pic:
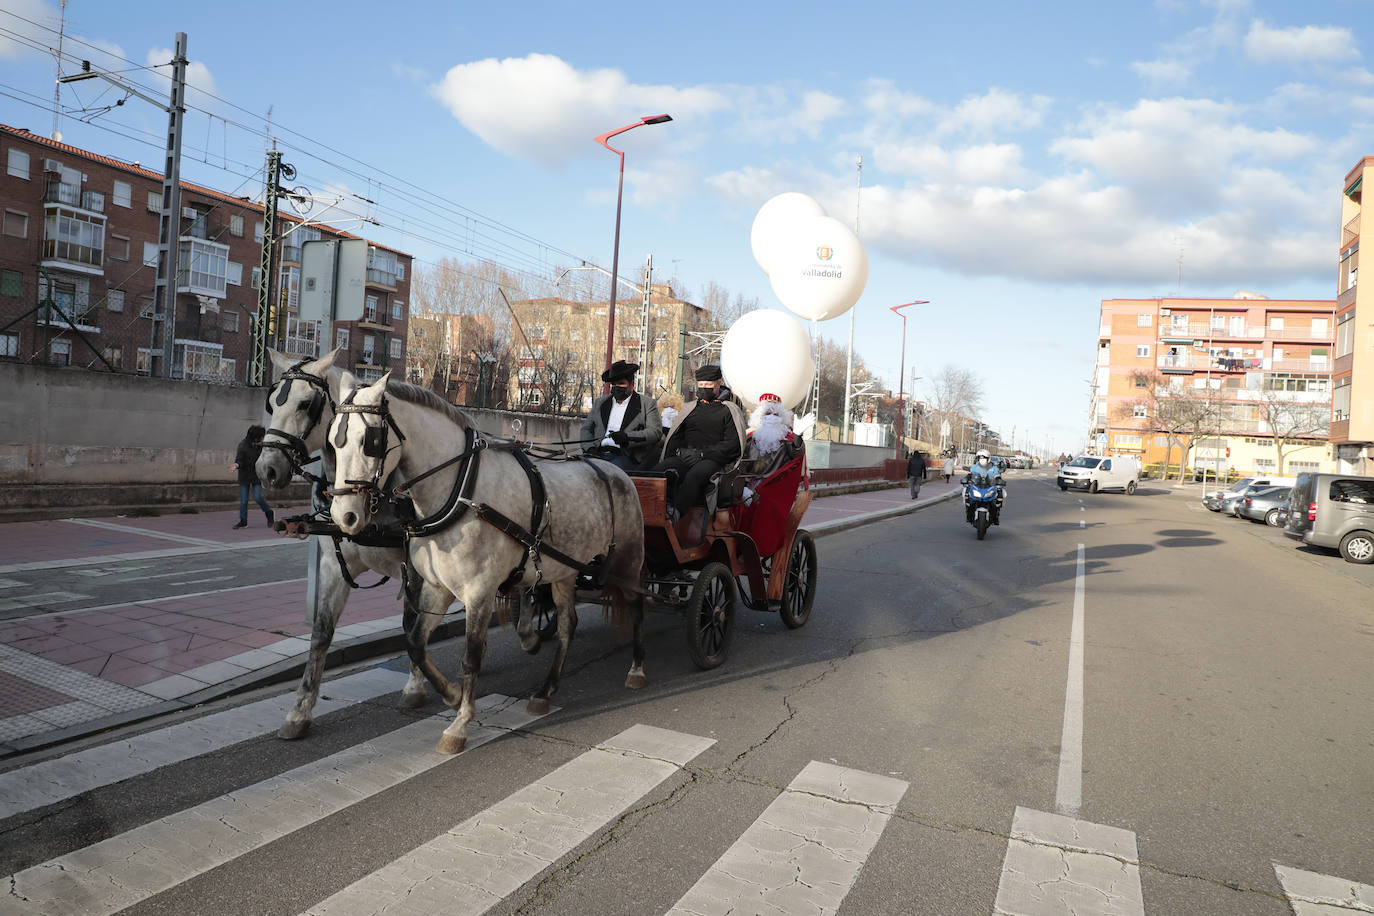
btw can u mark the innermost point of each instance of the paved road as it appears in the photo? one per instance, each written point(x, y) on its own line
point(1120, 704)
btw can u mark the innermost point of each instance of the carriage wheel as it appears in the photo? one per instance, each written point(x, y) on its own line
point(711, 615)
point(799, 588)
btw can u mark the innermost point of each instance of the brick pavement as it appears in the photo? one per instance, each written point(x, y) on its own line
point(70, 673)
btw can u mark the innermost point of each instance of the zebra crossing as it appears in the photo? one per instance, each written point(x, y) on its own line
point(803, 852)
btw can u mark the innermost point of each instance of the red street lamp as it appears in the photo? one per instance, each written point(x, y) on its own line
point(619, 194)
point(901, 377)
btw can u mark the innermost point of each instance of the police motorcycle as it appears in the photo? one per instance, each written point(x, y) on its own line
point(983, 496)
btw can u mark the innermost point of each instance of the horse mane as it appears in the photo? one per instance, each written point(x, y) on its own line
point(423, 397)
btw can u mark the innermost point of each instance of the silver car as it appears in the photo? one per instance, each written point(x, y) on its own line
point(1268, 505)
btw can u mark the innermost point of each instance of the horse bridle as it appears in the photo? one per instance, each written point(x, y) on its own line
point(374, 446)
point(294, 447)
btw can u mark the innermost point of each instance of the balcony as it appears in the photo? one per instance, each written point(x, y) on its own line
point(69, 254)
point(1184, 362)
point(1298, 365)
point(374, 358)
point(383, 278)
point(291, 254)
point(85, 318)
point(1350, 231)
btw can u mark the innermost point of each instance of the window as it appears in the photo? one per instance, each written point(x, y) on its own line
point(229, 320)
point(1142, 350)
point(1140, 412)
point(256, 279)
point(400, 269)
point(1107, 465)
point(1352, 491)
point(396, 308)
point(1142, 381)
point(16, 224)
point(395, 348)
point(18, 164)
point(114, 300)
point(370, 310)
point(236, 225)
point(1144, 319)
point(118, 247)
point(574, 335)
point(149, 254)
point(1275, 323)
point(1345, 334)
point(60, 353)
point(1298, 467)
point(202, 267)
point(114, 355)
point(1125, 442)
point(1340, 400)
point(11, 283)
point(257, 232)
point(341, 338)
point(155, 201)
point(9, 344)
point(144, 361)
point(1180, 321)
point(123, 195)
point(1161, 440)
point(69, 235)
point(233, 274)
point(1218, 322)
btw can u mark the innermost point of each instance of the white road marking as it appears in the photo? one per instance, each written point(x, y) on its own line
point(213, 591)
point(199, 581)
point(182, 572)
point(805, 851)
point(72, 774)
point(123, 870)
point(1311, 894)
point(1057, 865)
point(97, 572)
point(469, 869)
point(72, 562)
point(1082, 524)
point(28, 601)
point(143, 532)
point(1069, 793)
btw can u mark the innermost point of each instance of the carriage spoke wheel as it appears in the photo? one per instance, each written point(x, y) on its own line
point(799, 588)
point(711, 615)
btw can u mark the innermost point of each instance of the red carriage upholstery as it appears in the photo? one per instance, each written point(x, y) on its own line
point(765, 520)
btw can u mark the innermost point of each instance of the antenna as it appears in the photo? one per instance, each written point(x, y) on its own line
point(57, 57)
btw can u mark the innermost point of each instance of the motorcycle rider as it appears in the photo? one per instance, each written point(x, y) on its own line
point(985, 474)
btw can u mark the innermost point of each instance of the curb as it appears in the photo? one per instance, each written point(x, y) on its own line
point(858, 521)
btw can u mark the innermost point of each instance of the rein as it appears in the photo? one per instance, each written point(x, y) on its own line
point(293, 447)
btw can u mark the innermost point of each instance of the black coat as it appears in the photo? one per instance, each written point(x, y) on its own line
point(247, 458)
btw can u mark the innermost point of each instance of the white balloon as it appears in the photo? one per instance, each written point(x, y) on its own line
point(774, 222)
point(820, 270)
point(767, 352)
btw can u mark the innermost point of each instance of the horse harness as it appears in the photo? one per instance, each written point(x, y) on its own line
point(375, 446)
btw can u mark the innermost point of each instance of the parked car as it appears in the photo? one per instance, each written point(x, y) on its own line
point(1093, 473)
point(1334, 510)
point(1268, 505)
point(1214, 499)
point(1229, 501)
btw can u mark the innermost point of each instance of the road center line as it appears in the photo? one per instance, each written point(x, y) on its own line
point(1069, 794)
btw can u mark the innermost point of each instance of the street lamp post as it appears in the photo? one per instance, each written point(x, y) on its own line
point(619, 195)
point(901, 391)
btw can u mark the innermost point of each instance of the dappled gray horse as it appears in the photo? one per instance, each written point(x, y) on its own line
point(476, 496)
point(300, 405)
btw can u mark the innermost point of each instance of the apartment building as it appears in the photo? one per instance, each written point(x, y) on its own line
point(1260, 366)
point(1352, 402)
point(457, 357)
point(78, 260)
point(563, 349)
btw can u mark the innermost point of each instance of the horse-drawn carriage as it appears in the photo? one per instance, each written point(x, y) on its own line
point(754, 543)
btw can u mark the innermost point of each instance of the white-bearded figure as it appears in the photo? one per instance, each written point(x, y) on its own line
point(772, 443)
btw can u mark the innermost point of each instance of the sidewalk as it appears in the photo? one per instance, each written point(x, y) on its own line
point(68, 674)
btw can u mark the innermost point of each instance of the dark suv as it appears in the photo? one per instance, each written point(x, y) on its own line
point(1334, 510)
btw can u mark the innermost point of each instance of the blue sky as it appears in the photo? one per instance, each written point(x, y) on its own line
point(1020, 164)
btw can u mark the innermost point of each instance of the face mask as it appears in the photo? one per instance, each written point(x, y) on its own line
point(706, 394)
point(983, 462)
point(620, 392)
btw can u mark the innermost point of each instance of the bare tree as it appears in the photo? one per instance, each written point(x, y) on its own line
point(1185, 415)
point(716, 300)
point(1292, 423)
point(956, 395)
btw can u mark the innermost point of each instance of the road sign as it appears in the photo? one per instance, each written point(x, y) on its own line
point(332, 276)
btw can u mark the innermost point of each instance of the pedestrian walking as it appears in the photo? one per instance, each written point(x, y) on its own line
point(948, 468)
point(915, 472)
point(245, 463)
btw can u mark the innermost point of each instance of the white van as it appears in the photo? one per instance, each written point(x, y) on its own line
point(1094, 472)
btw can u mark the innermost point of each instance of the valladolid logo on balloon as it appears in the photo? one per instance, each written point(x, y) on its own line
point(816, 264)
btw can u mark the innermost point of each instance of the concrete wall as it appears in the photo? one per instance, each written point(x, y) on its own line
point(821, 454)
point(73, 427)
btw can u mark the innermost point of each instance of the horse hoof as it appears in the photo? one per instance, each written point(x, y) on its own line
point(450, 744)
point(636, 681)
point(290, 731)
point(537, 706)
point(412, 700)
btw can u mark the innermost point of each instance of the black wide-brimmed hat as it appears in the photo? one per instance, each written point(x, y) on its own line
point(620, 369)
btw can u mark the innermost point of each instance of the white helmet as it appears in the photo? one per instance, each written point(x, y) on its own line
point(983, 453)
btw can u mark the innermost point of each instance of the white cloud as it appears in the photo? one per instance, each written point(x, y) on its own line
point(883, 99)
point(988, 163)
point(541, 108)
point(1308, 44)
point(21, 43)
point(816, 109)
point(197, 74)
point(1162, 73)
point(994, 112)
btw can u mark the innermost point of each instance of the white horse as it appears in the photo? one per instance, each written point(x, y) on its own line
point(482, 496)
point(300, 406)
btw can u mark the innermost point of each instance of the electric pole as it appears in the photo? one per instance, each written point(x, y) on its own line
point(265, 325)
point(849, 360)
point(169, 225)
